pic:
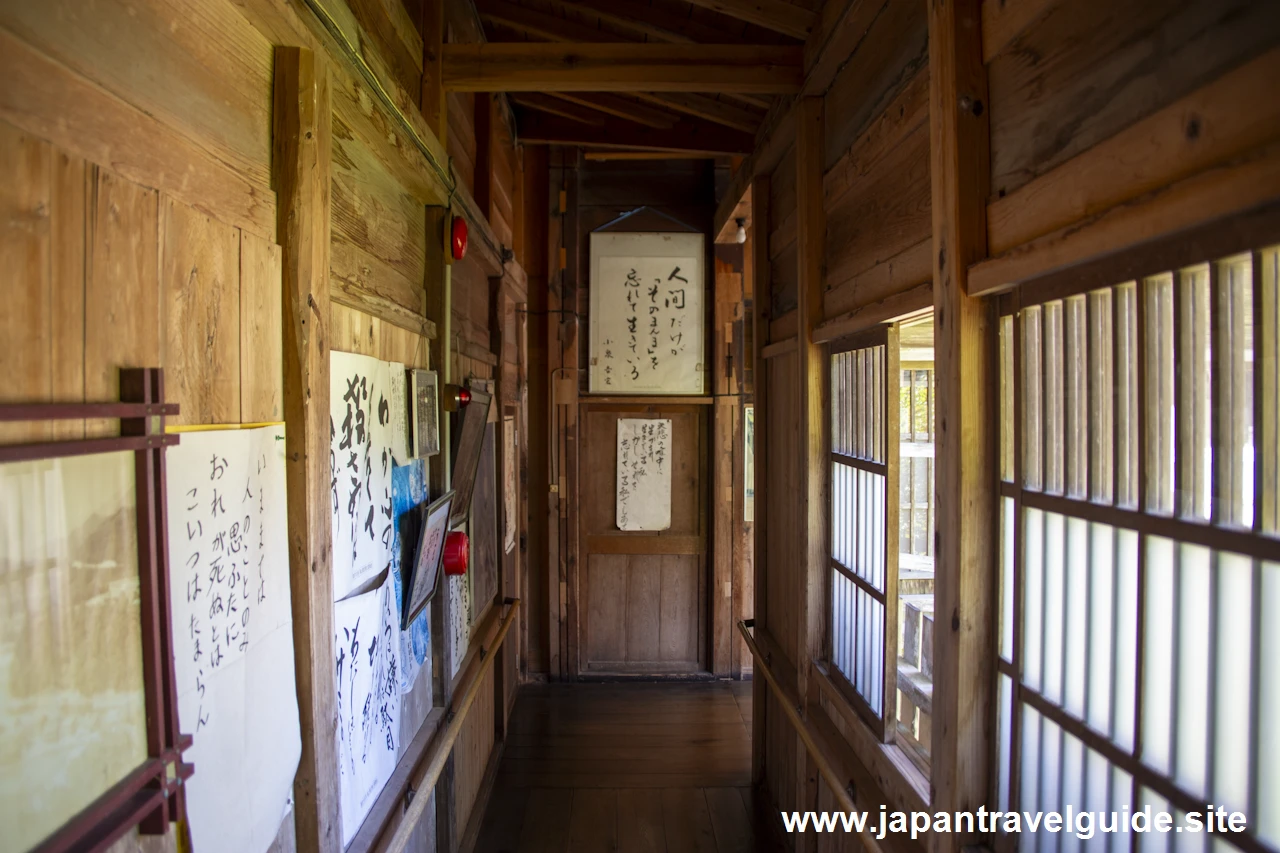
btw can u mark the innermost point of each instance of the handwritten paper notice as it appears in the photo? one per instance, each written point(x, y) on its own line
point(398, 398)
point(361, 456)
point(233, 644)
point(459, 621)
point(644, 474)
point(646, 314)
point(367, 648)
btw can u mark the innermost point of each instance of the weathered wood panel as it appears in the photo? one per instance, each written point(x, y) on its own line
point(882, 216)
point(42, 233)
point(891, 54)
point(261, 330)
point(200, 68)
point(45, 98)
point(122, 286)
point(1087, 69)
point(200, 293)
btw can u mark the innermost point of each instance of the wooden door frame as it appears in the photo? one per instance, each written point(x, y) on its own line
point(574, 614)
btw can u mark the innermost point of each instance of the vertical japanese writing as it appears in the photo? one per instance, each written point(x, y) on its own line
point(644, 474)
point(639, 347)
point(223, 573)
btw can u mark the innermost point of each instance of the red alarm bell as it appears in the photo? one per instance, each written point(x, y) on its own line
point(456, 551)
point(458, 238)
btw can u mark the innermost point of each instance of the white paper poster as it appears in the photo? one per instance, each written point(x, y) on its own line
point(367, 648)
point(232, 635)
point(361, 456)
point(398, 397)
point(644, 474)
point(459, 621)
point(646, 314)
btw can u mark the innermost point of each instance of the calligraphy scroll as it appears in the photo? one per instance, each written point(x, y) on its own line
point(361, 457)
point(644, 474)
point(232, 635)
point(647, 314)
point(367, 650)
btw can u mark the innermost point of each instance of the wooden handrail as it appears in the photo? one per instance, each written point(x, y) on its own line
point(442, 745)
point(839, 788)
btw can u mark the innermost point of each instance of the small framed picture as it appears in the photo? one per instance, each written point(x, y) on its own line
point(424, 572)
point(426, 413)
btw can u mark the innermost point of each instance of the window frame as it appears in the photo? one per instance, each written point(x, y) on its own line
point(884, 335)
point(1145, 522)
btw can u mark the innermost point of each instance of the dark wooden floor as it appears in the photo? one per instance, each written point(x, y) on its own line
point(627, 767)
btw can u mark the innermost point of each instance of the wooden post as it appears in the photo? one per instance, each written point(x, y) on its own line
point(760, 296)
point(966, 449)
point(301, 148)
point(811, 232)
point(434, 104)
point(811, 227)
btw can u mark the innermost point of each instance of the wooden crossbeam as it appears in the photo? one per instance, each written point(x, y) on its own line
point(687, 135)
point(649, 22)
point(558, 107)
point(707, 107)
point(777, 15)
point(539, 67)
point(540, 24)
point(621, 108)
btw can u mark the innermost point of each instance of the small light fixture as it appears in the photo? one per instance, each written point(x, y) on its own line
point(742, 229)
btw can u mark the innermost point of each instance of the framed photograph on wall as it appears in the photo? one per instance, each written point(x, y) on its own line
point(424, 572)
point(426, 413)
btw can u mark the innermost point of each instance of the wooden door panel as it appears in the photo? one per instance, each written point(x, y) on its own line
point(643, 594)
point(600, 471)
point(643, 613)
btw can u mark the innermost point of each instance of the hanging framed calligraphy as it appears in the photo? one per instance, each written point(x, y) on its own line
point(647, 322)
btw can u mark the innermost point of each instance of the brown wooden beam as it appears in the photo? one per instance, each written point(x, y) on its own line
point(708, 108)
point(649, 22)
point(777, 15)
point(301, 159)
point(963, 660)
point(622, 108)
point(539, 67)
point(558, 107)
point(542, 25)
point(687, 135)
point(433, 101)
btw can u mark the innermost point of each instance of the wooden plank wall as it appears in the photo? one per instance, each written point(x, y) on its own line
point(1108, 127)
point(139, 218)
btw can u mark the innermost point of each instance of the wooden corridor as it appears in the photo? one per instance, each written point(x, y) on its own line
point(627, 767)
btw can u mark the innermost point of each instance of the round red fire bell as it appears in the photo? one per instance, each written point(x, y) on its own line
point(456, 549)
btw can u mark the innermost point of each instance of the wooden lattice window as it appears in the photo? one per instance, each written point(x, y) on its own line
point(863, 595)
point(1140, 569)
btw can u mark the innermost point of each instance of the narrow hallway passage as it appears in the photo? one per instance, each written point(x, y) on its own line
point(627, 767)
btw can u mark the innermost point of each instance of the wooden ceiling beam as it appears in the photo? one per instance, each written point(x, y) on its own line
point(540, 24)
point(557, 107)
point(542, 67)
point(777, 15)
point(687, 135)
point(650, 22)
point(622, 108)
point(707, 107)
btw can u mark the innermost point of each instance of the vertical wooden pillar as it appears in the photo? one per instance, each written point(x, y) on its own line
point(811, 232)
point(966, 435)
point(301, 148)
point(433, 102)
point(760, 295)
